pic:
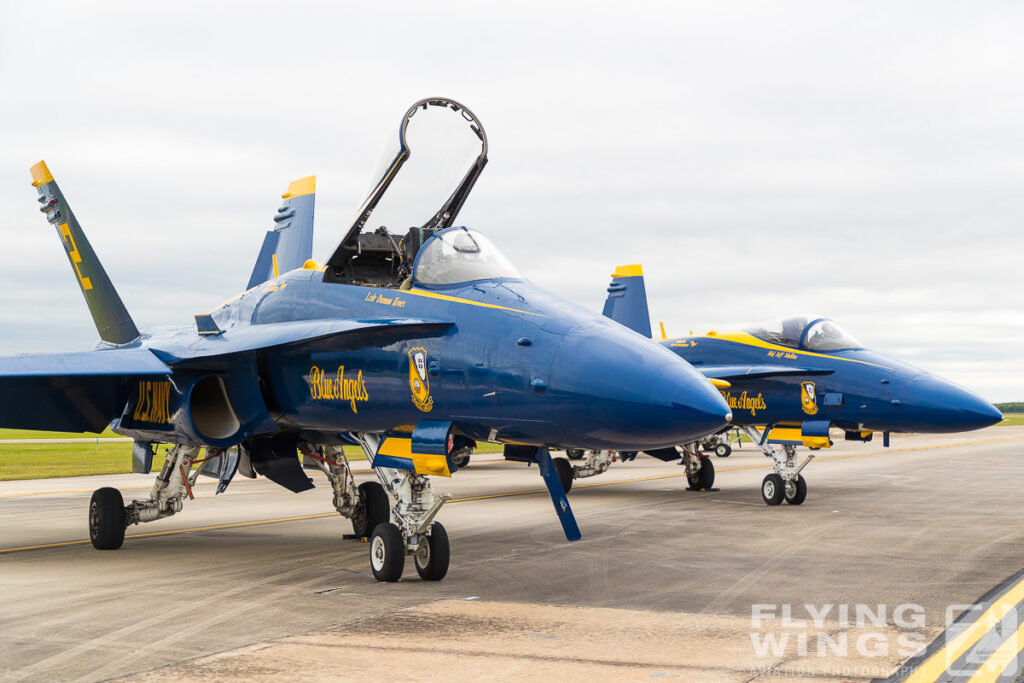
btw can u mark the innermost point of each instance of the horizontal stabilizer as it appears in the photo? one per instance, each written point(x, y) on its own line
point(71, 392)
point(736, 372)
point(308, 332)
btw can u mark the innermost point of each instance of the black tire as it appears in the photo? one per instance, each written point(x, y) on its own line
point(564, 471)
point(374, 508)
point(773, 489)
point(461, 458)
point(798, 489)
point(575, 453)
point(433, 554)
point(107, 519)
point(704, 478)
point(387, 553)
point(723, 450)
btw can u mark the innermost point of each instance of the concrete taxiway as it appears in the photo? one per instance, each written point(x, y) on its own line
point(258, 583)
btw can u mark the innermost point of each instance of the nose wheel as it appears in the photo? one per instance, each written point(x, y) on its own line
point(775, 489)
point(796, 490)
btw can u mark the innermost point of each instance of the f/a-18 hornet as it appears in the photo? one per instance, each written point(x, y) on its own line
point(788, 383)
point(405, 343)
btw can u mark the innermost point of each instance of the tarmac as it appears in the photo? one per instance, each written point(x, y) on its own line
point(858, 583)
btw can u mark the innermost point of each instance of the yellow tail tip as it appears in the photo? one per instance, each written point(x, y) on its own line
point(41, 174)
point(300, 187)
point(635, 270)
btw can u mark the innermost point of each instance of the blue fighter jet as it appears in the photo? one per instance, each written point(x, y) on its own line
point(406, 345)
point(789, 382)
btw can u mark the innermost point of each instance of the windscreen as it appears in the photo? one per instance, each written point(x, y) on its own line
point(825, 335)
point(460, 255)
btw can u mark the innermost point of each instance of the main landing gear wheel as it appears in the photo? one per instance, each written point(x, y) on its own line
point(461, 458)
point(575, 453)
point(107, 519)
point(387, 553)
point(433, 554)
point(796, 491)
point(373, 509)
point(773, 489)
point(564, 471)
point(704, 478)
point(723, 450)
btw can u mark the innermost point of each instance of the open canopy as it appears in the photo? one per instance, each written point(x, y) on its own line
point(424, 178)
point(808, 332)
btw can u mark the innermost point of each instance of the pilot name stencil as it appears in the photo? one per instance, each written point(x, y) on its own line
point(386, 301)
point(744, 402)
point(338, 387)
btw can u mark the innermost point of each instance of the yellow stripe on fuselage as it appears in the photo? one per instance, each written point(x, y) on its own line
point(747, 339)
point(455, 299)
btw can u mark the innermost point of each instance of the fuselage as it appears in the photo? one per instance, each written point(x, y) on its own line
point(513, 363)
point(853, 389)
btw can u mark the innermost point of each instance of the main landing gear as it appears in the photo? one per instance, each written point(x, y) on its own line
point(785, 483)
point(365, 505)
point(700, 471)
point(414, 531)
point(109, 517)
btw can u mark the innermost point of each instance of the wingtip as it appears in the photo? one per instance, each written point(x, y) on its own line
point(300, 187)
point(40, 174)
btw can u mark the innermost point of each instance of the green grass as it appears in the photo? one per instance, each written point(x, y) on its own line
point(50, 460)
point(43, 460)
point(30, 434)
point(1010, 419)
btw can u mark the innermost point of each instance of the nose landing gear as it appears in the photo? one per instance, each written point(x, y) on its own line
point(785, 483)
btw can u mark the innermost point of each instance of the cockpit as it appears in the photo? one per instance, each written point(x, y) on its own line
point(459, 255)
point(807, 332)
point(427, 172)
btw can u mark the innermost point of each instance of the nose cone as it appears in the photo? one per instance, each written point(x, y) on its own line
point(624, 392)
point(932, 404)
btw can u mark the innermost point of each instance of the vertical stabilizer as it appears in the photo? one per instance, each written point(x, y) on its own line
point(627, 299)
point(290, 244)
point(108, 312)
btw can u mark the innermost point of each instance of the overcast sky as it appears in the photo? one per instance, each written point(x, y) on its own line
point(862, 160)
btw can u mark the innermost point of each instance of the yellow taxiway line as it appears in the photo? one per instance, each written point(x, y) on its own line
point(933, 667)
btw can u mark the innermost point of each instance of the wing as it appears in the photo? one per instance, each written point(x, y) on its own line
point(735, 372)
point(71, 392)
point(305, 333)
